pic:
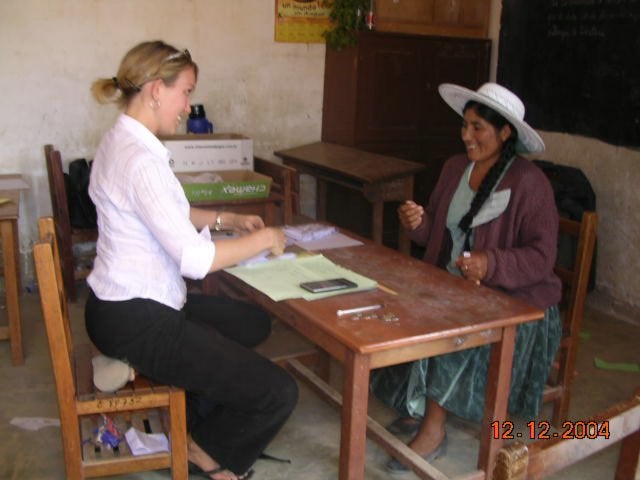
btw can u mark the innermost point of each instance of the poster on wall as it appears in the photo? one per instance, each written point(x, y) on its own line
point(301, 21)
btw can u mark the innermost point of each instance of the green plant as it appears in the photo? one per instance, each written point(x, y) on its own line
point(347, 18)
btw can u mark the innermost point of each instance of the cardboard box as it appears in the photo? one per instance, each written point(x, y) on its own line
point(209, 152)
point(235, 185)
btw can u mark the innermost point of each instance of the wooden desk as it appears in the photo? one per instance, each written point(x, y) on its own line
point(378, 177)
point(10, 256)
point(437, 313)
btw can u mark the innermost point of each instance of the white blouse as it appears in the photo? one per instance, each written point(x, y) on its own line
point(146, 242)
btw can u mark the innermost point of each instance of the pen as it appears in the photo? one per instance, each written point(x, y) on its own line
point(349, 311)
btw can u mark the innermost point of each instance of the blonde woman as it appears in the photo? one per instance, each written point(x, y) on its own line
point(138, 309)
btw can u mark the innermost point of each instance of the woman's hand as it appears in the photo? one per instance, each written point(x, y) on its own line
point(279, 241)
point(233, 250)
point(410, 214)
point(241, 223)
point(473, 265)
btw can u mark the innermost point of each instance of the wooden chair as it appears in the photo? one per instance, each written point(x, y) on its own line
point(542, 458)
point(286, 182)
point(67, 235)
point(575, 280)
point(142, 404)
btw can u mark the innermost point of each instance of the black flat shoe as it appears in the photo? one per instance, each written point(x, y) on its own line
point(196, 470)
point(405, 426)
point(394, 467)
point(248, 474)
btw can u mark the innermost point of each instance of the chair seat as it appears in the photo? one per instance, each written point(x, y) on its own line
point(146, 396)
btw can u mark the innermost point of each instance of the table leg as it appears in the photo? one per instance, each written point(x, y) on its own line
point(321, 199)
point(8, 229)
point(377, 221)
point(354, 416)
point(497, 398)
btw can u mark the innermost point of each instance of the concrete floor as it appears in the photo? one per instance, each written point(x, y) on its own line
point(311, 437)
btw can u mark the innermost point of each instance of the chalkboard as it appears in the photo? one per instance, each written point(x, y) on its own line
point(575, 64)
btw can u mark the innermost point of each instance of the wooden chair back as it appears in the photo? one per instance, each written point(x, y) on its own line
point(575, 280)
point(142, 404)
point(545, 457)
point(67, 235)
point(286, 182)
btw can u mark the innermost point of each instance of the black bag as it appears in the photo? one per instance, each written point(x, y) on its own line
point(571, 187)
point(82, 211)
point(573, 195)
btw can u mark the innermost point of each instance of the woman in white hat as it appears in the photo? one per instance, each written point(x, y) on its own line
point(491, 219)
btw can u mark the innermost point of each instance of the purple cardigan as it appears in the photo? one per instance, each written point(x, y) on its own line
point(521, 243)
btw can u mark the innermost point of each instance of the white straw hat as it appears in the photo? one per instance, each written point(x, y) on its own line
point(504, 102)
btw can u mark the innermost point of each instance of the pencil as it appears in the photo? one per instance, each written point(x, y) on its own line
point(387, 289)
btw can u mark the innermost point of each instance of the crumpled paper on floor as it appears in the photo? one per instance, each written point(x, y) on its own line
point(34, 423)
point(142, 443)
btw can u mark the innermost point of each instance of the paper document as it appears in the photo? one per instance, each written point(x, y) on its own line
point(266, 256)
point(281, 280)
point(337, 240)
point(141, 443)
point(308, 231)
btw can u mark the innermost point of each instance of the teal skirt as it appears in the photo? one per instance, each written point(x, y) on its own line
point(458, 381)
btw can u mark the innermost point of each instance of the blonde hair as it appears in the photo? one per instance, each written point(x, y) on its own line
point(145, 62)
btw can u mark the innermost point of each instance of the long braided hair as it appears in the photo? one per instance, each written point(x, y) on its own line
point(492, 176)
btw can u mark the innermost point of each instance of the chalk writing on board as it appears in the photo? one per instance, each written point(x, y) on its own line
point(574, 63)
point(566, 18)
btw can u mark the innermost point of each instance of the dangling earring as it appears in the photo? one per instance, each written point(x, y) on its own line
point(154, 104)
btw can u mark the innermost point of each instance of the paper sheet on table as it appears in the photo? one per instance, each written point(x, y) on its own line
point(266, 256)
point(4, 200)
point(308, 231)
point(280, 280)
point(336, 240)
point(142, 443)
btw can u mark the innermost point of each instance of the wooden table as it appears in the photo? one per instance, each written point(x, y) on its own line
point(379, 178)
point(10, 254)
point(436, 313)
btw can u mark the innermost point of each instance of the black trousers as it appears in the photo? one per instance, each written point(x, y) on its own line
point(237, 400)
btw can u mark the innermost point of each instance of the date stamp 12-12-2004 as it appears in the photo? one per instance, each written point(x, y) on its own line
point(540, 430)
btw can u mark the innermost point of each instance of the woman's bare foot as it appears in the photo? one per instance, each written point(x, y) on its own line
point(199, 457)
point(432, 431)
point(425, 444)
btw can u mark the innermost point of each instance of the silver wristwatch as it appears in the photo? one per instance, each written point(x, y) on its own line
point(217, 226)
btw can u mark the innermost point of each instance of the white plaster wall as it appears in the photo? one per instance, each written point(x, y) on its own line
point(614, 173)
point(51, 51)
